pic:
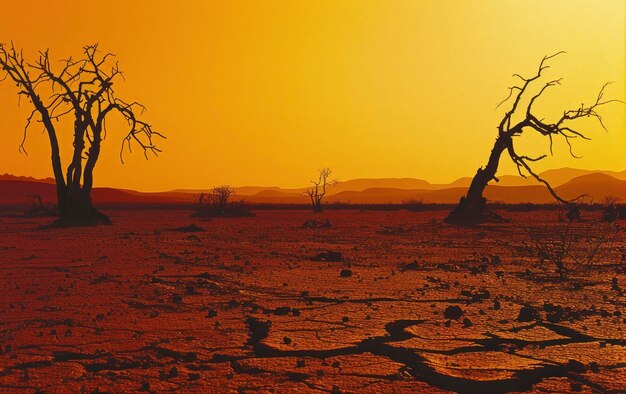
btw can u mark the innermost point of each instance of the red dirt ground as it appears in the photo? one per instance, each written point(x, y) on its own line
point(242, 307)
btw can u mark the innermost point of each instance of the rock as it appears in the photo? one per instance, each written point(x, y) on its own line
point(478, 295)
point(329, 256)
point(317, 223)
point(453, 312)
point(345, 273)
point(192, 228)
point(176, 299)
point(576, 387)
point(410, 267)
point(576, 366)
point(282, 311)
point(528, 314)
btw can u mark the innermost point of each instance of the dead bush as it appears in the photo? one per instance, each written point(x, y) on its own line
point(217, 203)
point(571, 246)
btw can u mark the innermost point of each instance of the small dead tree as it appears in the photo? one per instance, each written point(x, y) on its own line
point(573, 246)
point(81, 90)
point(317, 192)
point(39, 208)
point(471, 207)
point(220, 196)
point(610, 210)
point(217, 203)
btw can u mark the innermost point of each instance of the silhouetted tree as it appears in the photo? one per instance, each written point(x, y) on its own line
point(39, 208)
point(81, 89)
point(221, 195)
point(471, 207)
point(217, 203)
point(317, 192)
point(610, 210)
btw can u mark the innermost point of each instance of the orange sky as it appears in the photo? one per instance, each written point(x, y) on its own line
point(267, 92)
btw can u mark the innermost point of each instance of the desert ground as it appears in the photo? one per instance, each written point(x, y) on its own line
point(258, 304)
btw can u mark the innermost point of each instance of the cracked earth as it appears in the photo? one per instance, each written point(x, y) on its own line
point(379, 302)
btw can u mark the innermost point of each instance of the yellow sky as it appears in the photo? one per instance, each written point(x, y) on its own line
point(267, 92)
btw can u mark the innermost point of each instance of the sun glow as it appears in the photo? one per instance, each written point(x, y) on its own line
point(268, 92)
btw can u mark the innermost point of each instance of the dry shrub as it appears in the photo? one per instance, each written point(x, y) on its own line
point(573, 246)
point(217, 203)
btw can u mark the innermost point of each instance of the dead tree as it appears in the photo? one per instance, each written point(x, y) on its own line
point(39, 208)
point(471, 207)
point(217, 203)
point(220, 196)
point(317, 192)
point(81, 90)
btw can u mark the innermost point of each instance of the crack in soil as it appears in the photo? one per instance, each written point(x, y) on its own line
point(418, 366)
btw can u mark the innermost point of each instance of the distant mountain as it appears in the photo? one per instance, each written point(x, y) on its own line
point(9, 177)
point(18, 192)
point(508, 194)
point(556, 177)
point(560, 176)
point(357, 185)
point(569, 183)
point(596, 186)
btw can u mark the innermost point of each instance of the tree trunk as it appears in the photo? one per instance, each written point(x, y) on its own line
point(78, 210)
point(55, 155)
point(471, 207)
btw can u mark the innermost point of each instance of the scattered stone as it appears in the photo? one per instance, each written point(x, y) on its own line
point(192, 228)
point(317, 223)
point(576, 387)
point(476, 296)
point(176, 299)
point(527, 314)
point(576, 366)
point(395, 230)
point(345, 273)
point(100, 279)
point(282, 311)
point(413, 266)
point(453, 312)
point(329, 256)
